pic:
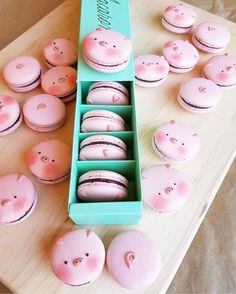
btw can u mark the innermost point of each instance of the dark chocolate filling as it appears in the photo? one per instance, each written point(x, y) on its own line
point(66, 96)
point(78, 285)
point(225, 86)
point(109, 87)
point(17, 120)
point(146, 81)
point(180, 67)
point(212, 47)
point(73, 65)
point(195, 106)
point(107, 65)
point(53, 180)
point(96, 116)
point(101, 180)
point(32, 82)
point(101, 143)
point(22, 215)
point(175, 25)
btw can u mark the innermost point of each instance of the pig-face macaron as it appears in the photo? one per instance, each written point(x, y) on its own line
point(78, 257)
point(181, 55)
point(179, 18)
point(175, 142)
point(60, 81)
point(18, 198)
point(150, 70)
point(50, 161)
point(106, 50)
point(165, 189)
point(60, 51)
point(221, 69)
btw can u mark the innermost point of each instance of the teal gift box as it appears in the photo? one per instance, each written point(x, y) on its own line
point(114, 15)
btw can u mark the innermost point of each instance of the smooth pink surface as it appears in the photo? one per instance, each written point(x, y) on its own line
point(44, 112)
point(175, 141)
point(102, 147)
point(10, 115)
point(78, 257)
point(21, 72)
point(60, 51)
point(133, 260)
point(181, 55)
point(150, 70)
point(102, 185)
point(179, 18)
point(108, 93)
point(18, 198)
point(164, 188)
point(106, 50)
point(211, 37)
point(221, 69)
point(60, 81)
point(102, 121)
point(50, 161)
point(199, 95)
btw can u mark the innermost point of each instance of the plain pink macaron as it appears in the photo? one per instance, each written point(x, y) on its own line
point(108, 93)
point(150, 70)
point(60, 51)
point(221, 69)
point(44, 113)
point(179, 18)
point(199, 95)
point(211, 37)
point(102, 185)
point(10, 115)
point(102, 147)
point(106, 50)
point(175, 142)
point(22, 73)
point(18, 198)
point(49, 161)
point(165, 189)
point(60, 81)
point(77, 257)
point(102, 121)
point(181, 56)
point(133, 260)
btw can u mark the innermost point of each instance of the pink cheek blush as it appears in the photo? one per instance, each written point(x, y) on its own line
point(51, 170)
point(32, 158)
point(92, 263)
point(63, 273)
point(160, 137)
point(54, 90)
point(182, 188)
point(140, 68)
point(222, 77)
point(179, 18)
point(168, 45)
point(176, 57)
point(182, 150)
point(20, 204)
point(160, 69)
point(57, 57)
point(4, 117)
point(112, 52)
point(168, 9)
point(159, 203)
point(8, 100)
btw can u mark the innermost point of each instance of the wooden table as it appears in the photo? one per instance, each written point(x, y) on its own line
point(25, 248)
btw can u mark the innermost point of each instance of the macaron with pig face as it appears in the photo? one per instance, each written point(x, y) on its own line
point(165, 189)
point(150, 70)
point(18, 198)
point(221, 69)
point(179, 18)
point(78, 257)
point(181, 56)
point(175, 142)
point(106, 50)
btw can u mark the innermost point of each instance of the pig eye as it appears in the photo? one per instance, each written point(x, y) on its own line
point(87, 254)
point(15, 196)
point(222, 70)
point(157, 63)
point(53, 83)
point(65, 262)
point(39, 152)
point(54, 43)
point(182, 144)
point(95, 39)
point(143, 62)
point(167, 134)
point(53, 160)
point(182, 13)
point(175, 184)
point(181, 53)
point(61, 52)
point(66, 76)
point(159, 193)
point(114, 46)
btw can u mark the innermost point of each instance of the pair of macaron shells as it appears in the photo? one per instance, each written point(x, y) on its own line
point(133, 259)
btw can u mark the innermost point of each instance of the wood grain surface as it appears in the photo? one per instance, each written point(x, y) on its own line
point(24, 258)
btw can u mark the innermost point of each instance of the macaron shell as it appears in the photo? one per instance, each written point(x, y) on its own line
point(164, 188)
point(50, 161)
point(133, 260)
point(174, 141)
point(78, 257)
point(18, 198)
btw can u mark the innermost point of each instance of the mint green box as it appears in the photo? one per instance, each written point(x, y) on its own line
point(115, 15)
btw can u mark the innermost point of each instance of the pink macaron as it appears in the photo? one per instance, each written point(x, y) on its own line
point(10, 115)
point(44, 113)
point(102, 147)
point(102, 121)
point(60, 51)
point(210, 37)
point(108, 93)
point(49, 161)
point(106, 50)
point(60, 81)
point(221, 69)
point(179, 18)
point(199, 95)
point(77, 258)
point(133, 260)
point(18, 198)
point(150, 70)
point(181, 56)
point(175, 142)
point(165, 189)
point(102, 185)
point(22, 73)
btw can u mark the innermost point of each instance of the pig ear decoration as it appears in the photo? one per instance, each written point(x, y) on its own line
point(209, 64)
point(20, 177)
point(226, 54)
point(89, 233)
point(173, 122)
point(59, 242)
point(99, 29)
point(168, 166)
point(186, 41)
point(195, 135)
